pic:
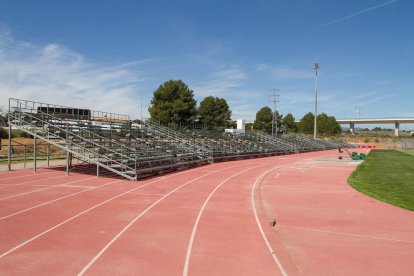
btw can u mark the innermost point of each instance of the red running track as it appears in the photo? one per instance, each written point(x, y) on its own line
point(211, 220)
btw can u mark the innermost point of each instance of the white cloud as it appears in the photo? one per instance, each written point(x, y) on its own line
point(289, 73)
point(376, 99)
point(367, 10)
point(262, 67)
point(229, 82)
point(284, 72)
point(53, 74)
point(223, 83)
point(245, 112)
point(292, 98)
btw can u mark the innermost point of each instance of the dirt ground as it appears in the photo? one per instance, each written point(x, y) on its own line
point(19, 147)
point(30, 164)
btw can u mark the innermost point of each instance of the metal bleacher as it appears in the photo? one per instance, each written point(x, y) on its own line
point(304, 144)
point(138, 148)
point(113, 142)
point(228, 146)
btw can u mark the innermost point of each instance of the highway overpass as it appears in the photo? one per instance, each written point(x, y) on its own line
point(395, 121)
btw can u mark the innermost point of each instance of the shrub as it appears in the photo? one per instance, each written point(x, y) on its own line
point(4, 133)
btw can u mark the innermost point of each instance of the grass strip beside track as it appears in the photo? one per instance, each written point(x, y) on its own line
point(387, 175)
point(411, 152)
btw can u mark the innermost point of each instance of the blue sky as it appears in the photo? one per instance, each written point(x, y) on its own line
point(105, 54)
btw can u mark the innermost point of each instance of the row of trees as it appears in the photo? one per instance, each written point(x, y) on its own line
point(3, 116)
point(173, 102)
point(325, 124)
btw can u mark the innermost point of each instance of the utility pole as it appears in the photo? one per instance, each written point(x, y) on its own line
point(274, 100)
point(316, 67)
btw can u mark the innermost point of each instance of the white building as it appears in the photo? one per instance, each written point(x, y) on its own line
point(241, 128)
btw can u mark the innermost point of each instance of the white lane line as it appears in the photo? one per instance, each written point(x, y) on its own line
point(42, 185)
point(76, 186)
point(149, 194)
point(346, 234)
point(57, 199)
point(272, 252)
point(38, 190)
point(32, 174)
point(86, 211)
point(190, 244)
point(28, 182)
point(67, 186)
point(139, 216)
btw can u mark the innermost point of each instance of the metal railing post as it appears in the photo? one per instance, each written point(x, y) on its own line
point(25, 156)
point(9, 153)
point(48, 153)
point(67, 149)
point(34, 153)
point(67, 161)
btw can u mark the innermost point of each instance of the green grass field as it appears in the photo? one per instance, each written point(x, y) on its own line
point(387, 175)
point(411, 152)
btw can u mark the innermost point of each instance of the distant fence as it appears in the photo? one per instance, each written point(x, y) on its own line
point(403, 144)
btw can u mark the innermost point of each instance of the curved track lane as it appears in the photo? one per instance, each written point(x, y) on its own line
point(211, 220)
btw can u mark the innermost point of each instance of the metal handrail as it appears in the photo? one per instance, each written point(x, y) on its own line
point(100, 113)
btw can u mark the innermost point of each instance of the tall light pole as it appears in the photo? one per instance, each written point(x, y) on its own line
point(316, 67)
